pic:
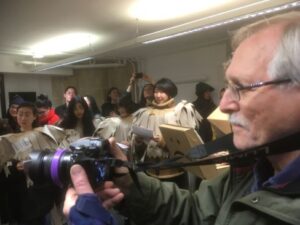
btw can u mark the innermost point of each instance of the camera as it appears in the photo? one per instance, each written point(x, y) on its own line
point(54, 167)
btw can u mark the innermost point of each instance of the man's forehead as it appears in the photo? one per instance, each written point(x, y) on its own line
point(252, 57)
point(70, 90)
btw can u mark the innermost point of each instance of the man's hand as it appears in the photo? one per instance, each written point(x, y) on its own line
point(109, 193)
point(81, 186)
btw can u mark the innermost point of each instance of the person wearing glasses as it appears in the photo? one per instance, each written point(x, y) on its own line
point(46, 114)
point(262, 102)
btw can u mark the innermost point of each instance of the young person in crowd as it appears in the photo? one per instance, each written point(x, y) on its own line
point(92, 104)
point(69, 93)
point(12, 114)
point(119, 126)
point(163, 109)
point(110, 107)
point(46, 114)
point(147, 93)
point(78, 117)
point(27, 116)
point(19, 206)
point(205, 106)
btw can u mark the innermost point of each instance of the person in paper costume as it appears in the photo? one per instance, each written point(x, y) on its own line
point(118, 127)
point(24, 202)
point(163, 110)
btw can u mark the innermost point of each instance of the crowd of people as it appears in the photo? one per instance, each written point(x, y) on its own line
point(79, 117)
point(263, 79)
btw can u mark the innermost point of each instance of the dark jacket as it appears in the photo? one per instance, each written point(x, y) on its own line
point(107, 108)
point(223, 200)
point(61, 110)
point(205, 108)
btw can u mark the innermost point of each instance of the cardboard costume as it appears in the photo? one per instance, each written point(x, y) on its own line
point(18, 145)
point(25, 202)
point(182, 114)
point(114, 127)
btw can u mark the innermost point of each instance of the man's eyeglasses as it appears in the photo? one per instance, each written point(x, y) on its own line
point(235, 90)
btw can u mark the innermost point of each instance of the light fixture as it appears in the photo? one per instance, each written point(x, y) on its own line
point(154, 10)
point(62, 44)
point(61, 63)
point(181, 30)
point(26, 62)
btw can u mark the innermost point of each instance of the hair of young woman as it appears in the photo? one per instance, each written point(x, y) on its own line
point(108, 98)
point(167, 86)
point(93, 105)
point(143, 100)
point(12, 121)
point(30, 105)
point(128, 104)
point(70, 121)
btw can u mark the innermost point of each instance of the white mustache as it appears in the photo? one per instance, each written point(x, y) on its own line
point(234, 119)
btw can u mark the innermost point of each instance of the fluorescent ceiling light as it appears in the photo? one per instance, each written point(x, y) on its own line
point(62, 44)
point(24, 62)
point(169, 9)
point(52, 66)
point(213, 25)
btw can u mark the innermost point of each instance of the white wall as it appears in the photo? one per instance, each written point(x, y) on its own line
point(24, 83)
point(189, 67)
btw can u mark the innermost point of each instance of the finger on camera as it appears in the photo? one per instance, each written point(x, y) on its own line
point(70, 200)
point(109, 193)
point(110, 203)
point(80, 180)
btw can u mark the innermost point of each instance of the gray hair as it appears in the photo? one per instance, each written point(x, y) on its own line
point(286, 60)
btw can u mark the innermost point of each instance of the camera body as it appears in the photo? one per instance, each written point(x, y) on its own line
point(54, 167)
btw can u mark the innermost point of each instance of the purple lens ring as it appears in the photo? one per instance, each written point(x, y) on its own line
point(55, 167)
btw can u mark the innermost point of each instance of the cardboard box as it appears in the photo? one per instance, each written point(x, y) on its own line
point(220, 121)
point(180, 140)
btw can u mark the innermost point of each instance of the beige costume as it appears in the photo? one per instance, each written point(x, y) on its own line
point(182, 114)
point(115, 127)
point(19, 145)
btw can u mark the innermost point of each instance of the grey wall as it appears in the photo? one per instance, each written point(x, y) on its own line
point(27, 83)
point(186, 68)
point(95, 82)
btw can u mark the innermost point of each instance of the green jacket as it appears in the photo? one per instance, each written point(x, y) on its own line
point(224, 200)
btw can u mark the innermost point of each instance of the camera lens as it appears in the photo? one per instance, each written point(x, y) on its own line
point(45, 166)
point(54, 167)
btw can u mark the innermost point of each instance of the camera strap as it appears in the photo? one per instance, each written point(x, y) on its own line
point(203, 154)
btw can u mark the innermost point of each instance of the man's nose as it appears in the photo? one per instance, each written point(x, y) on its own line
point(228, 104)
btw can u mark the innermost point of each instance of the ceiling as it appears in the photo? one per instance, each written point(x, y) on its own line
point(120, 35)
